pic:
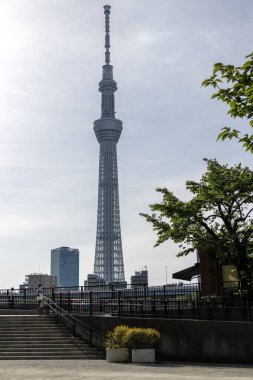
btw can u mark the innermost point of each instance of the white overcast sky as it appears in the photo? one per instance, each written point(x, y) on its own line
point(51, 53)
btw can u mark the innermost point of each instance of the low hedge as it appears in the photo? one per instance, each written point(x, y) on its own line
point(132, 337)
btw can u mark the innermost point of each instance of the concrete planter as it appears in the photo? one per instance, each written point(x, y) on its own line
point(118, 355)
point(143, 355)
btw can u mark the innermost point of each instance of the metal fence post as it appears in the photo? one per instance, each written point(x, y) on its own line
point(47, 309)
point(119, 311)
point(247, 307)
point(61, 300)
point(165, 310)
point(131, 306)
point(154, 308)
point(69, 302)
point(142, 309)
point(91, 305)
point(74, 327)
point(199, 300)
point(145, 297)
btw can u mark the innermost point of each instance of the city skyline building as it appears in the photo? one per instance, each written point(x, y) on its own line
point(140, 278)
point(93, 280)
point(108, 263)
point(65, 266)
point(34, 279)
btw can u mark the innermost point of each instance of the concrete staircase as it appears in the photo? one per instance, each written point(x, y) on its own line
point(36, 337)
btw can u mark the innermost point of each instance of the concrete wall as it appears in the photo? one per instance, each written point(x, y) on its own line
point(191, 340)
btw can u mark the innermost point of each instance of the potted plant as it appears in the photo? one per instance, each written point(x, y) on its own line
point(116, 350)
point(142, 342)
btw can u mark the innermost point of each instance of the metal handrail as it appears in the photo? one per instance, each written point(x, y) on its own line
point(68, 317)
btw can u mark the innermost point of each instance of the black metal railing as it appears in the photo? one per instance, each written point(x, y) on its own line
point(75, 325)
point(186, 301)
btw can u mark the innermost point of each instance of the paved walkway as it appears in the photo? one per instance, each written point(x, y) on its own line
point(101, 370)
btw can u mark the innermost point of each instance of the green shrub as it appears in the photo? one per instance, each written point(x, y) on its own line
point(141, 337)
point(116, 338)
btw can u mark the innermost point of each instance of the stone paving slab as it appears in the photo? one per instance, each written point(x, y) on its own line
point(101, 370)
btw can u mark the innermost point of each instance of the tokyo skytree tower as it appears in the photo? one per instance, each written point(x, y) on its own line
point(108, 256)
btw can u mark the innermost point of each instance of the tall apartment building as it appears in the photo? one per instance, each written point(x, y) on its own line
point(65, 266)
point(34, 279)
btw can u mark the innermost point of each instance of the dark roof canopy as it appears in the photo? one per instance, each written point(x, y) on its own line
point(188, 273)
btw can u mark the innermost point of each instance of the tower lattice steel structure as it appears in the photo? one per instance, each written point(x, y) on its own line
point(108, 256)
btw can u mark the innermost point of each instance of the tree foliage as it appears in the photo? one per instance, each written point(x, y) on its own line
point(219, 216)
point(234, 87)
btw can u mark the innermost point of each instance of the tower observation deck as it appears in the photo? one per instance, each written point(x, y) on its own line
point(108, 254)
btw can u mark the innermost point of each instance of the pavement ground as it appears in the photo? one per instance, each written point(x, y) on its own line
point(100, 370)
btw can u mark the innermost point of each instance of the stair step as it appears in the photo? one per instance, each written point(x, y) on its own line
point(40, 339)
point(42, 344)
point(31, 318)
point(35, 333)
point(27, 326)
point(33, 329)
point(35, 321)
point(36, 337)
point(48, 352)
point(48, 349)
point(62, 357)
point(31, 325)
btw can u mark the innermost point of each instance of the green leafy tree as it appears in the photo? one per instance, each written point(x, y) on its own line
point(219, 216)
point(234, 87)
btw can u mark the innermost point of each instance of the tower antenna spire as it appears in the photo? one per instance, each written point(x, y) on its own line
point(108, 263)
point(107, 33)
